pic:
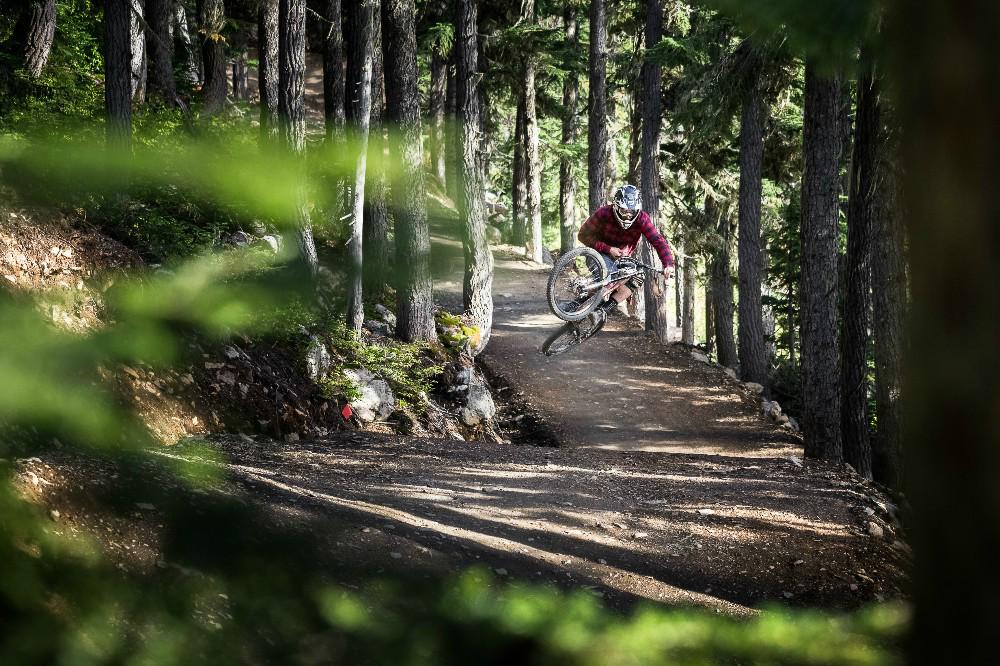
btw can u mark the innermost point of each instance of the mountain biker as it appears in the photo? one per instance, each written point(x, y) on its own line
point(614, 230)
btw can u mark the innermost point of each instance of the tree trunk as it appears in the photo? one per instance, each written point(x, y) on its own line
point(567, 177)
point(436, 112)
point(240, 76)
point(678, 291)
point(452, 151)
point(611, 159)
point(414, 297)
point(531, 137)
point(821, 148)
point(138, 51)
point(889, 308)
point(709, 314)
point(291, 111)
point(655, 290)
point(597, 129)
point(519, 189)
point(478, 281)
point(118, 73)
point(33, 35)
point(949, 90)
point(690, 276)
point(161, 83)
point(857, 301)
point(377, 248)
point(359, 87)
point(211, 16)
point(267, 72)
point(722, 285)
point(635, 136)
point(752, 350)
point(334, 69)
point(182, 35)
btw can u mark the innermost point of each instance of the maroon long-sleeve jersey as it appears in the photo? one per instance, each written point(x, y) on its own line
point(602, 232)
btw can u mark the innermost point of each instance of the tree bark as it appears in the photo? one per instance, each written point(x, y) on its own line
point(635, 136)
point(519, 188)
point(531, 138)
point(889, 309)
point(377, 248)
point(359, 87)
point(138, 51)
point(241, 84)
point(567, 176)
point(161, 82)
point(857, 301)
point(478, 280)
point(722, 285)
point(436, 112)
point(189, 53)
point(414, 298)
point(690, 276)
point(118, 73)
point(822, 144)
point(709, 313)
point(597, 129)
point(34, 33)
point(334, 69)
point(267, 73)
point(453, 134)
point(212, 18)
point(949, 82)
point(752, 350)
point(655, 290)
point(291, 112)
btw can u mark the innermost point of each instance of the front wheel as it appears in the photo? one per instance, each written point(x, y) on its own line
point(573, 333)
point(576, 284)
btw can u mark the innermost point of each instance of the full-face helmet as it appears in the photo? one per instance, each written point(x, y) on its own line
point(627, 204)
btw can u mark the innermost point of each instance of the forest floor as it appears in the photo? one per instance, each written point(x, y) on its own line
point(666, 484)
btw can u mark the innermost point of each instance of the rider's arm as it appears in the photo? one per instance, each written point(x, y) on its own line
point(589, 235)
point(657, 240)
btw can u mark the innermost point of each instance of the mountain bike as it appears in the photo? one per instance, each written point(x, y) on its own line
point(578, 284)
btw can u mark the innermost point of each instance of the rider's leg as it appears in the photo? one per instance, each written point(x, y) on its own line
point(621, 294)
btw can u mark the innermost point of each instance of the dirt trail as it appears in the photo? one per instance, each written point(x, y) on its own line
point(622, 390)
point(690, 500)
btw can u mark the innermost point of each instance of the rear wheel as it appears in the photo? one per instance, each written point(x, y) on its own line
point(573, 333)
point(576, 284)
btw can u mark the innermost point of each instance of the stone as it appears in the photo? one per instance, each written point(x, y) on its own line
point(754, 387)
point(239, 239)
point(706, 512)
point(773, 410)
point(731, 373)
point(875, 530)
point(479, 405)
point(493, 235)
point(783, 419)
point(501, 571)
point(547, 258)
point(404, 422)
point(386, 315)
point(794, 424)
point(377, 400)
point(377, 327)
point(318, 360)
point(273, 242)
point(698, 356)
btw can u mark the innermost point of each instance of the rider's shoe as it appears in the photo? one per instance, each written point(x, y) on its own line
point(609, 307)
